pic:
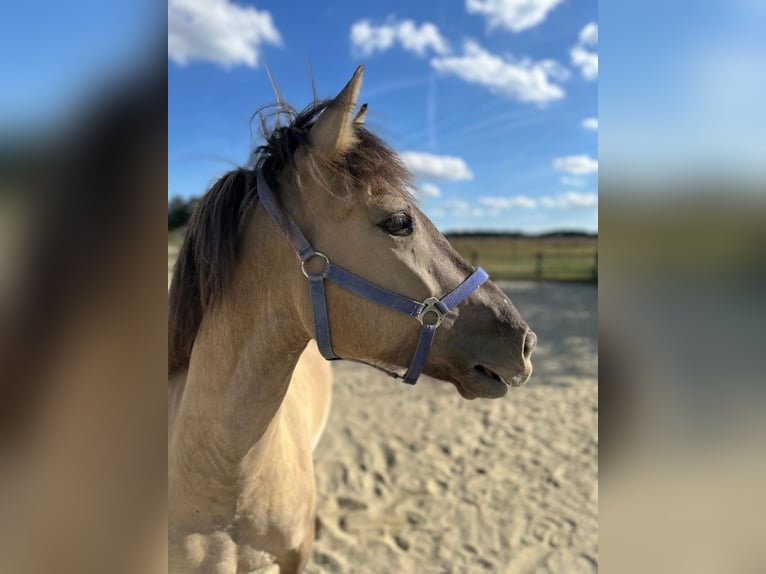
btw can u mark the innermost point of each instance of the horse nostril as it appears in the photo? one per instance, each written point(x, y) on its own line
point(530, 342)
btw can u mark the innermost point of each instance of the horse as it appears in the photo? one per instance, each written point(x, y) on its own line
point(249, 388)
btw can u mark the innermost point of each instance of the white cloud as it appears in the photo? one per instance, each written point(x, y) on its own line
point(589, 34)
point(576, 164)
point(522, 79)
point(458, 206)
point(426, 189)
point(583, 58)
point(513, 15)
point(505, 203)
point(366, 38)
point(440, 167)
point(590, 124)
point(572, 181)
point(218, 31)
point(571, 200)
point(430, 190)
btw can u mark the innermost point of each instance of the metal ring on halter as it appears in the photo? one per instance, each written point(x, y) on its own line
point(430, 307)
point(324, 272)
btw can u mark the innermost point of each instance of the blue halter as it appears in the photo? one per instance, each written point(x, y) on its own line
point(420, 311)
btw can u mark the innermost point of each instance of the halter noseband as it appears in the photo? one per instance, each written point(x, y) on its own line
point(432, 306)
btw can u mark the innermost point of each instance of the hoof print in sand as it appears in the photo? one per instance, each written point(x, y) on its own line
point(351, 504)
point(554, 532)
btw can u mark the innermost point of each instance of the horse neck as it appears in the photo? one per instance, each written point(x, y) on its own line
point(241, 365)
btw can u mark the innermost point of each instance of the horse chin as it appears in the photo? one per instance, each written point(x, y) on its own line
point(477, 384)
point(464, 392)
point(484, 387)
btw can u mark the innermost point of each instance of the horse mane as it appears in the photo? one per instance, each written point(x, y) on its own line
point(208, 254)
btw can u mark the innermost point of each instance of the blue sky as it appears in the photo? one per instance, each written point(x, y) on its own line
point(683, 96)
point(55, 55)
point(493, 108)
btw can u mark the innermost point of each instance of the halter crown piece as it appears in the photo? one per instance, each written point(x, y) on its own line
point(428, 313)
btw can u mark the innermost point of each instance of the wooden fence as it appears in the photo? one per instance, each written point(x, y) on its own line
point(538, 266)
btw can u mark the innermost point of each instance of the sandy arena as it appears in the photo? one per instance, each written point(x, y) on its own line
point(417, 479)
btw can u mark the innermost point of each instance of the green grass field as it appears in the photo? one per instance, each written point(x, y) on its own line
point(542, 258)
point(175, 237)
point(558, 258)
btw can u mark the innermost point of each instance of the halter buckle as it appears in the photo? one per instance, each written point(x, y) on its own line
point(325, 271)
point(430, 307)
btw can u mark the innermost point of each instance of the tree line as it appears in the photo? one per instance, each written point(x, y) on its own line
point(179, 211)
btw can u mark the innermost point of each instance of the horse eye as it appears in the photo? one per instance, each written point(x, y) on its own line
point(398, 224)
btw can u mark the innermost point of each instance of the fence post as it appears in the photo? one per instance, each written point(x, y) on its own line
point(539, 266)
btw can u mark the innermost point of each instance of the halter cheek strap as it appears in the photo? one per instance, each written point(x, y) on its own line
point(429, 313)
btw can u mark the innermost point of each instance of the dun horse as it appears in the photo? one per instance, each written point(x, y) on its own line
point(249, 392)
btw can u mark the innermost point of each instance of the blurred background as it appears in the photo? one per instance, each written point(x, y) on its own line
point(83, 120)
point(499, 109)
point(682, 198)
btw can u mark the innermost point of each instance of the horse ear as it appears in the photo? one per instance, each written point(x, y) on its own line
point(361, 115)
point(333, 132)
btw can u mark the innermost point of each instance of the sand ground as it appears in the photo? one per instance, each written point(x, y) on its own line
point(417, 479)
